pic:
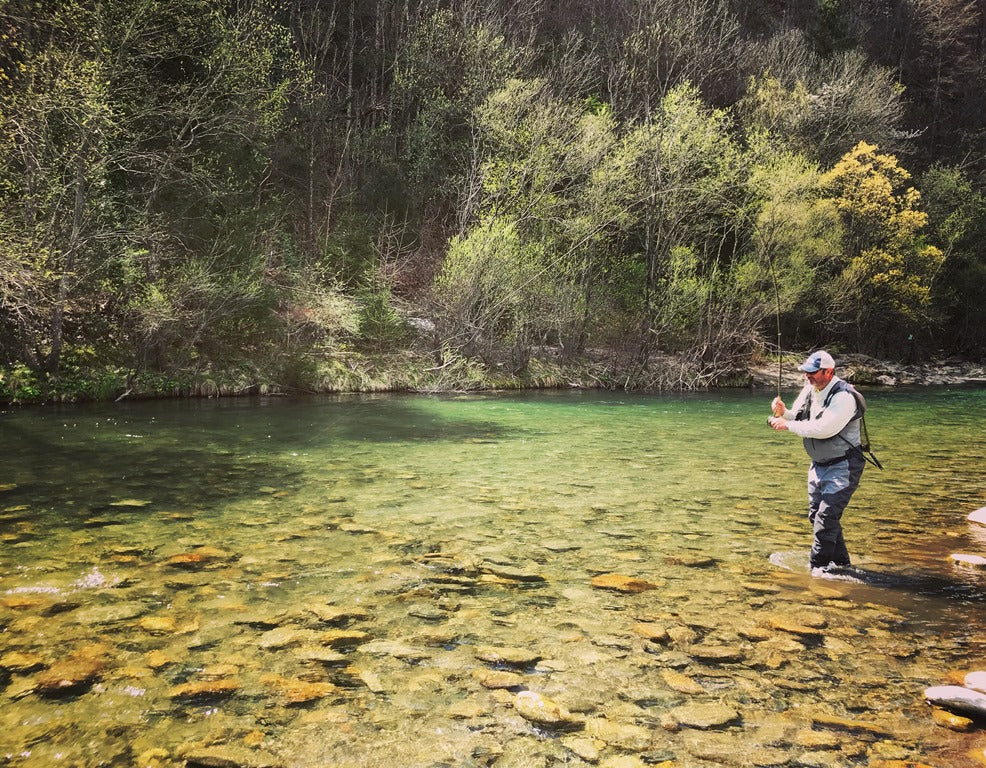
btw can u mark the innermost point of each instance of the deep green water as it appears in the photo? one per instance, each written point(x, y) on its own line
point(446, 523)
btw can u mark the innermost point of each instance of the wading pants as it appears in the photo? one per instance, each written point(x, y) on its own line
point(829, 490)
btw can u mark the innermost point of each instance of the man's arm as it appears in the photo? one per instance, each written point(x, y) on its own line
point(832, 421)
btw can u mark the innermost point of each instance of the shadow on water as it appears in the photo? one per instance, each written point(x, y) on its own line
point(93, 465)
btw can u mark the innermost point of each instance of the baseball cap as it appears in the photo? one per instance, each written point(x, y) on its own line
point(817, 361)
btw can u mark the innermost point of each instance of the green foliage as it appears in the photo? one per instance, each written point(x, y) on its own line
point(885, 281)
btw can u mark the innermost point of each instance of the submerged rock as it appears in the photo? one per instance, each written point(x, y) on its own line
point(205, 689)
point(77, 671)
point(950, 720)
point(513, 657)
point(230, 756)
point(543, 711)
point(704, 716)
point(955, 698)
point(621, 583)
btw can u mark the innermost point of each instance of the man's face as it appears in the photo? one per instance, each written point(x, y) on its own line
point(820, 378)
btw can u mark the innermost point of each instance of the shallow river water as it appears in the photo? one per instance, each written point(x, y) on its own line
point(504, 580)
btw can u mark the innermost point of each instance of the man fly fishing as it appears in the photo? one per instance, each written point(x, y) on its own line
point(827, 415)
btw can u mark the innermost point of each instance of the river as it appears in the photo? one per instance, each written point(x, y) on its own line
point(377, 580)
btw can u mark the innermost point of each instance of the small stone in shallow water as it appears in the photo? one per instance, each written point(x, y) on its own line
point(513, 657)
point(622, 583)
point(681, 683)
point(656, 633)
point(15, 661)
point(229, 756)
point(495, 679)
point(717, 654)
point(536, 708)
point(950, 720)
point(205, 689)
point(704, 716)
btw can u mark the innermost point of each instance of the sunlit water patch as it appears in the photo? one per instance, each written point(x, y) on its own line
point(508, 580)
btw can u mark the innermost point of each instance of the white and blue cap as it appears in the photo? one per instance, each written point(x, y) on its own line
point(817, 361)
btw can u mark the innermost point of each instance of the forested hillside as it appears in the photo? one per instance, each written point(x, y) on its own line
point(212, 195)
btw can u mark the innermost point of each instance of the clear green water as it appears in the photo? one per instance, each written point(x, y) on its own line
point(437, 525)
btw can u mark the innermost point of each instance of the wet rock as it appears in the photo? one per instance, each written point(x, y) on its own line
point(681, 683)
point(582, 747)
point(979, 516)
point(760, 588)
point(200, 558)
point(15, 661)
point(792, 626)
point(852, 726)
point(682, 636)
point(704, 715)
point(76, 672)
point(298, 691)
point(338, 616)
point(496, 679)
point(623, 761)
point(157, 659)
point(229, 756)
point(512, 573)
point(321, 655)
point(692, 561)
point(957, 699)
point(891, 763)
point(395, 649)
point(717, 654)
point(513, 657)
point(285, 637)
point(205, 689)
point(656, 633)
point(108, 614)
point(343, 638)
point(626, 736)
point(157, 625)
point(621, 583)
point(537, 709)
point(950, 720)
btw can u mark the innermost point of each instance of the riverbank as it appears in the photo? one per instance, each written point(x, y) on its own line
point(411, 371)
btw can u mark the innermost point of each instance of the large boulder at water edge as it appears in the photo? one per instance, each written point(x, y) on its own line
point(979, 516)
point(955, 698)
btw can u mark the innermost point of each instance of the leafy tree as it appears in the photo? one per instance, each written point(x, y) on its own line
point(887, 272)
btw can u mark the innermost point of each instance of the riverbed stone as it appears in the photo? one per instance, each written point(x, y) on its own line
point(229, 756)
point(979, 516)
point(820, 720)
point(285, 637)
point(587, 749)
point(704, 716)
point(950, 720)
point(717, 654)
point(77, 671)
point(619, 582)
point(513, 657)
point(680, 682)
point(157, 625)
point(205, 689)
point(534, 707)
point(791, 625)
point(496, 679)
point(295, 691)
point(343, 638)
point(656, 633)
point(958, 699)
point(200, 558)
point(16, 661)
point(626, 736)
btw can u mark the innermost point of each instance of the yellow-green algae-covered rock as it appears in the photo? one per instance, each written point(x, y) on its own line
point(543, 711)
